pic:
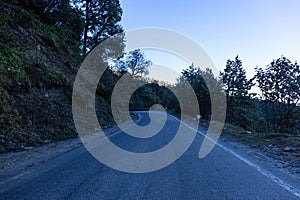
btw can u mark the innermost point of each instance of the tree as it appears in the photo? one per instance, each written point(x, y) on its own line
point(241, 109)
point(199, 79)
point(64, 15)
point(101, 19)
point(53, 12)
point(235, 80)
point(280, 86)
point(135, 62)
point(144, 97)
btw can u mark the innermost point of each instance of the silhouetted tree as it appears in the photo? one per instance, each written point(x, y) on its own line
point(241, 109)
point(134, 62)
point(235, 80)
point(101, 19)
point(199, 79)
point(280, 86)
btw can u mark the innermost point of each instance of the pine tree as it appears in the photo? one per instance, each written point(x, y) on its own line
point(101, 19)
point(235, 80)
point(241, 109)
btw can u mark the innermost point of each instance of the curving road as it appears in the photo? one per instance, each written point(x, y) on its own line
point(223, 174)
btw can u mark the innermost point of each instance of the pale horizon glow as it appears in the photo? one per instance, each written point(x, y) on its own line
point(166, 66)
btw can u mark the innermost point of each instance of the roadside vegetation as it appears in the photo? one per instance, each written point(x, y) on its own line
point(41, 50)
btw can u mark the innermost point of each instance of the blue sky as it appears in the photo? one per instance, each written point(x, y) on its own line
point(256, 30)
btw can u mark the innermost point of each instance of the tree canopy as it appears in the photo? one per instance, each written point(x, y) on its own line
point(280, 87)
point(134, 62)
point(101, 19)
point(234, 79)
point(241, 109)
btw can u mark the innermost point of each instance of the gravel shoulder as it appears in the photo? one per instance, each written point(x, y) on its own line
point(14, 163)
point(283, 161)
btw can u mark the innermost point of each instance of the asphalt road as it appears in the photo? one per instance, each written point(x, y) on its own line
point(220, 175)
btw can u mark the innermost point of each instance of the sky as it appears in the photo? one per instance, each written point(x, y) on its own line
point(256, 30)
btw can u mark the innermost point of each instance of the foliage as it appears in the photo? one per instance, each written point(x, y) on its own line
point(37, 66)
point(135, 62)
point(167, 98)
point(144, 97)
point(40, 52)
point(241, 109)
point(41, 43)
point(280, 86)
point(13, 73)
point(234, 79)
point(62, 22)
point(9, 120)
point(199, 79)
point(150, 94)
point(101, 19)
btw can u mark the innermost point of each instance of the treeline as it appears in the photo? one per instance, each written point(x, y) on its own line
point(273, 110)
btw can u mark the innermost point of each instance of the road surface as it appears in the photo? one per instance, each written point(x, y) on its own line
point(221, 175)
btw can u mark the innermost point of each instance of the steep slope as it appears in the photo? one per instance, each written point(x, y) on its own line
point(37, 68)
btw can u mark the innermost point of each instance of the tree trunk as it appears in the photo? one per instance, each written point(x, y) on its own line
point(86, 27)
